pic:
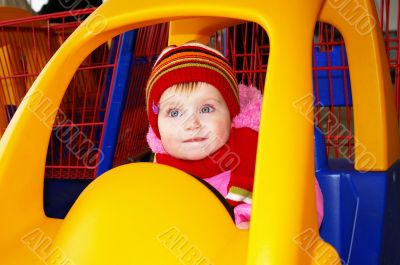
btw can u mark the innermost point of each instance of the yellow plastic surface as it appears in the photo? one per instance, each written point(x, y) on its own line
point(377, 137)
point(162, 222)
point(284, 223)
point(199, 29)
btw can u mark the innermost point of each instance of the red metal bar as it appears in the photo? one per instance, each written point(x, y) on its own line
point(46, 17)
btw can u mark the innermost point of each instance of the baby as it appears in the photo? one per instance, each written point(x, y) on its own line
point(203, 123)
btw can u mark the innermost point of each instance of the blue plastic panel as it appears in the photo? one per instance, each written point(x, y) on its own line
point(361, 210)
point(338, 81)
point(120, 85)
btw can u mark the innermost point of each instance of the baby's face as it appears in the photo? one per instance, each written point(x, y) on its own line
point(193, 124)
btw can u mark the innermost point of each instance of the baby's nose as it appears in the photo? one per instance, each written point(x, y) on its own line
point(193, 123)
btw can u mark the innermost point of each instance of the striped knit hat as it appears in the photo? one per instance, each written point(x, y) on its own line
point(190, 62)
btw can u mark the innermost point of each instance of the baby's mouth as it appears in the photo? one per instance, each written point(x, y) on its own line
point(195, 139)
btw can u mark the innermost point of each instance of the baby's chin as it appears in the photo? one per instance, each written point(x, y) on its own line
point(190, 155)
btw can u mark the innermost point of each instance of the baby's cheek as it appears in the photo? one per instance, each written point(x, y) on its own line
point(219, 137)
point(223, 129)
point(167, 127)
point(169, 145)
point(168, 140)
point(224, 134)
point(165, 134)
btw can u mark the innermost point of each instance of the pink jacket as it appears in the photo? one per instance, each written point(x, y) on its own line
point(242, 212)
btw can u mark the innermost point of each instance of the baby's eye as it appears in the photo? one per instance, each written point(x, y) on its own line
point(207, 109)
point(174, 113)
